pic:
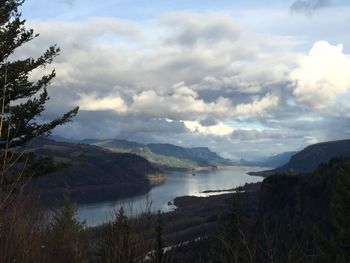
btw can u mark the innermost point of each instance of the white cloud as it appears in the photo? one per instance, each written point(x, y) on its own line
point(258, 106)
point(219, 129)
point(322, 75)
point(180, 103)
point(88, 32)
point(311, 140)
point(105, 53)
point(93, 103)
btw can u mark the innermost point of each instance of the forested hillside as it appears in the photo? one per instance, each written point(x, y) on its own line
point(91, 173)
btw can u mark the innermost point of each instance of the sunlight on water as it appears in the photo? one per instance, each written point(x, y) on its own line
point(161, 197)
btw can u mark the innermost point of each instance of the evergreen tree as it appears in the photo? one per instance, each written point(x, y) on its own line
point(333, 245)
point(159, 253)
point(341, 213)
point(67, 240)
point(20, 121)
point(234, 244)
point(118, 242)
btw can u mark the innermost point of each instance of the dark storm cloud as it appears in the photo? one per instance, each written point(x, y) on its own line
point(191, 29)
point(256, 135)
point(208, 122)
point(238, 94)
point(309, 6)
point(333, 128)
point(108, 124)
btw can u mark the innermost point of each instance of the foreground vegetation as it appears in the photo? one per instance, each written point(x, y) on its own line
point(291, 219)
point(29, 234)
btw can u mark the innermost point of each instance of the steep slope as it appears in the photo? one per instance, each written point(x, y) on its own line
point(91, 173)
point(165, 156)
point(120, 144)
point(308, 159)
point(200, 155)
point(176, 152)
point(208, 155)
point(272, 161)
point(161, 161)
point(300, 208)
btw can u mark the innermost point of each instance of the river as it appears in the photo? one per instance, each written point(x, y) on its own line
point(176, 184)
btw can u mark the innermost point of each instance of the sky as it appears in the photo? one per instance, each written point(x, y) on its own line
point(246, 78)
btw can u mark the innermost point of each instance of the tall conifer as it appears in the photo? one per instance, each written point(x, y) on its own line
point(22, 100)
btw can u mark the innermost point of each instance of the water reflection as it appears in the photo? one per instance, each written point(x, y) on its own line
point(176, 184)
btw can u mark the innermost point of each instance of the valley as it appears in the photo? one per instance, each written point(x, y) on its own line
point(110, 170)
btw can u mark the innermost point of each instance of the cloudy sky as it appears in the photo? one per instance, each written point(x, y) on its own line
point(246, 78)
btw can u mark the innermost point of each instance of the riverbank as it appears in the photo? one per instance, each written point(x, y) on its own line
point(196, 217)
point(264, 173)
point(248, 187)
point(202, 216)
point(156, 178)
point(205, 168)
point(162, 196)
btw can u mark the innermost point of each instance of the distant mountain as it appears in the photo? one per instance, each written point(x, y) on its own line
point(62, 139)
point(91, 173)
point(165, 156)
point(200, 155)
point(122, 144)
point(161, 161)
point(272, 161)
point(175, 151)
point(206, 154)
point(307, 160)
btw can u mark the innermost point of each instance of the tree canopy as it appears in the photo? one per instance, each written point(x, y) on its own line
point(22, 99)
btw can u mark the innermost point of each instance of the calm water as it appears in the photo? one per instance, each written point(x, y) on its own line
point(176, 184)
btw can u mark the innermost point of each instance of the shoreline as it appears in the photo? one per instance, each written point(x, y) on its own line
point(157, 179)
point(222, 167)
point(264, 173)
point(168, 204)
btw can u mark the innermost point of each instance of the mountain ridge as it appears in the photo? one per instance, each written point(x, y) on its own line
point(92, 174)
point(164, 156)
point(308, 159)
point(273, 161)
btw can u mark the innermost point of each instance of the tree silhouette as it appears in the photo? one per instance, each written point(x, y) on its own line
point(22, 100)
